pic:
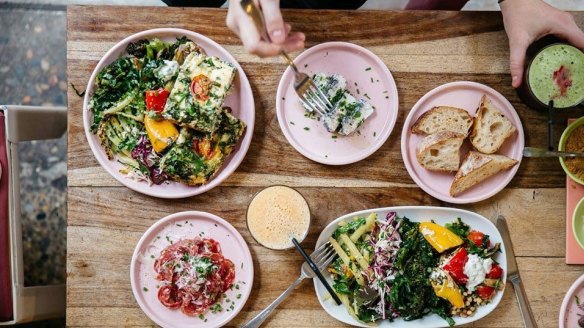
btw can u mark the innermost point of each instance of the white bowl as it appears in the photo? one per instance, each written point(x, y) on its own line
point(440, 215)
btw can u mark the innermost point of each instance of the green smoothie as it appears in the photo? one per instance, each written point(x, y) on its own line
point(557, 73)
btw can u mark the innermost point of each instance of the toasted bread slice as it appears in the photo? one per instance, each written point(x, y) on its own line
point(491, 128)
point(478, 167)
point(440, 151)
point(443, 118)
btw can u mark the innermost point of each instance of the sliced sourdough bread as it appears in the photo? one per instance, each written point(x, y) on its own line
point(491, 128)
point(440, 151)
point(443, 118)
point(476, 168)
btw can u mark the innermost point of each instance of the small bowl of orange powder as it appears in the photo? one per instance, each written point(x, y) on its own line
point(572, 140)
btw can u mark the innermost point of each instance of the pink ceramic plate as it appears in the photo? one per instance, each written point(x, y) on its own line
point(240, 100)
point(465, 95)
point(365, 72)
point(181, 226)
point(569, 312)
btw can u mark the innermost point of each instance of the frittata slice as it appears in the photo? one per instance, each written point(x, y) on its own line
point(202, 84)
point(196, 157)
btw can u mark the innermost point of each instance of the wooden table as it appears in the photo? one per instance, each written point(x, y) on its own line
point(422, 50)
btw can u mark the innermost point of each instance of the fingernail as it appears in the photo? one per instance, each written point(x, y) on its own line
point(277, 33)
point(514, 78)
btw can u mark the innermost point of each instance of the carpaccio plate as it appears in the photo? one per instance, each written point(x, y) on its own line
point(440, 215)
point(465, 95)
point(367, 77)
point(240, 100)
point(188, 225)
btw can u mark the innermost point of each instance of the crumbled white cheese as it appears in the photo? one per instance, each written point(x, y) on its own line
point(476, 268)
point(167, 71)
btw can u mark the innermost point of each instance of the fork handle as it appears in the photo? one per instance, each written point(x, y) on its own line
point(262, 316)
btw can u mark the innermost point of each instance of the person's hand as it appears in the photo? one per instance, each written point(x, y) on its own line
point(529, 20)
point(278, 31)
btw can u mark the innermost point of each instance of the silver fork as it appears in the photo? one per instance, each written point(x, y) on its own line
point(322, 257)
point(310, 95)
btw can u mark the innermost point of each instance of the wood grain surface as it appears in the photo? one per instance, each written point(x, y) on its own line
point(422, 50)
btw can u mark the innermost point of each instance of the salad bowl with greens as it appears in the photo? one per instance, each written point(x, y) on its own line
point(169, 113)
point(413, 266)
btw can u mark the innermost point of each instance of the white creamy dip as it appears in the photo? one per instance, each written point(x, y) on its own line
point(476, 268)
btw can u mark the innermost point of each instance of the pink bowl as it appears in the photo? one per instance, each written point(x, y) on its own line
point(184, 225)
point(465, 95)
point(569, 313)
point(240, 100)
point(365, 72)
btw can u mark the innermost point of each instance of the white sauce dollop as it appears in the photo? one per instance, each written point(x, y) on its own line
point(167, 70)
point(476, 268)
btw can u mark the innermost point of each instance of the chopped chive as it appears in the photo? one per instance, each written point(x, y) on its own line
point(367, 96)
point(375, 134)
point(201, 316)
point(371, 80)
point(238, 296)
point(358, 92)
point(152, 256)
point(386, 97)
point(334, 137)
point(306, 128)
point(292, 123)
point(385, 91)
point(216, 224)
point(305, 65)
point(368, 69)
point(145, 289)
point(179, 225)
point(283, 98)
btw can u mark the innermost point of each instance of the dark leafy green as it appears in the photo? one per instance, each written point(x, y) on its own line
point(113, 84)
point(412, 295)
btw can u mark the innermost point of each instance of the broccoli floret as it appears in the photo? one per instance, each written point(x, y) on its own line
point(148, 49)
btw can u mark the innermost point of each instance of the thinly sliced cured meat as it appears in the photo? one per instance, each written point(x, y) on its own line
point(194, 274)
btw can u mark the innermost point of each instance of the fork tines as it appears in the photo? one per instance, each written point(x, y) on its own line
point(323, 255)
point(314, 99)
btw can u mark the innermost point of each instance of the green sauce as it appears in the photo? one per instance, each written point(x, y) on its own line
point(557, 73)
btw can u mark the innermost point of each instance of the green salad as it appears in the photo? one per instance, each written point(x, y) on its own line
point(397, 268)
point(159, 112)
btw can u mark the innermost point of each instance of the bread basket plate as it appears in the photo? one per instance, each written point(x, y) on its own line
point(440, 215)
point(367, 77)
point(465, 95)
point(240, 100)
point(188, 225)
point(570, 312)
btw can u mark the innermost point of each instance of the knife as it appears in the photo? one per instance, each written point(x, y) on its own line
point(539, 152)
point(513, 275)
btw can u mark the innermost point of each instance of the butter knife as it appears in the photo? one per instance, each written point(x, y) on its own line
point(513, 275)
point(539, 152)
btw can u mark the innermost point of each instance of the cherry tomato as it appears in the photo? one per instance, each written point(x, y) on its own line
point(485, 292)
point(156, 99)
point(496, 272)
point(477, 238)
point(203, 148)
point(455, 266)
point(200, 87)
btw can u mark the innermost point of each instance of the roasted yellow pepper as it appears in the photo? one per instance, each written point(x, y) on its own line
point(161, 133)
point(450, 292)
point(439, 237)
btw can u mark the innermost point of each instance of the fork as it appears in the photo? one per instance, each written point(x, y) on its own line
point(310, 95)
point(322, 257)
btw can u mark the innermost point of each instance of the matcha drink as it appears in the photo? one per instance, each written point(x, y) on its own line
point(557, 73)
